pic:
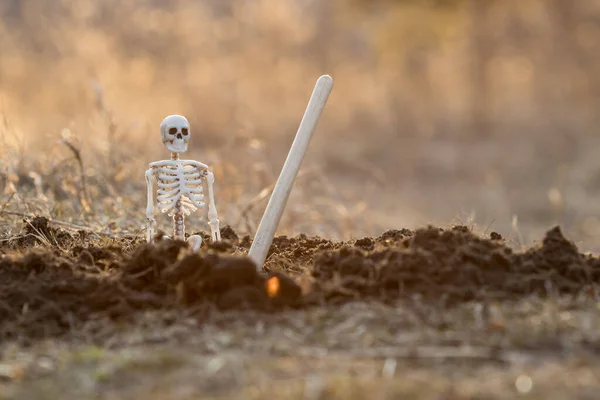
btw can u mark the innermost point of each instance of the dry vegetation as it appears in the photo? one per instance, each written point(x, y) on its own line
point(476, 112)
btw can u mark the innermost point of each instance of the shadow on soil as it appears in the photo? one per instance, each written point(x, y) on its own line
point(52, 281)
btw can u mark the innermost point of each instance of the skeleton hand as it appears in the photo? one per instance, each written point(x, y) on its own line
point(213, 221)
point(151, 229)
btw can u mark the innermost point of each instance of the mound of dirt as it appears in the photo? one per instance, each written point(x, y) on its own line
point(49, 291)
point(42, 294)
point(37, 231)
point(450, 266)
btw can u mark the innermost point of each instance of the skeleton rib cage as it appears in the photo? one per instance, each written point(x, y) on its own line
point(179, 187)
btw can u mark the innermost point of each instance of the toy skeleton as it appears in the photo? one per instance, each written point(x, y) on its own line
point(179, 184)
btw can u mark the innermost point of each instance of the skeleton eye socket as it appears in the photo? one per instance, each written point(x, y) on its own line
point(184, 131)
point(172, 131)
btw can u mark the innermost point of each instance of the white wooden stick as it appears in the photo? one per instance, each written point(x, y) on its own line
point(283, 187)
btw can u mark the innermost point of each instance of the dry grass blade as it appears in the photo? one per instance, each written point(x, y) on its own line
point(82, 194)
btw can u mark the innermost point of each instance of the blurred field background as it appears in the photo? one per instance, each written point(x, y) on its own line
point(483, 112)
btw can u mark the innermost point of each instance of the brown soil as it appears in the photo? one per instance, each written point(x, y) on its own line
point(52, 282)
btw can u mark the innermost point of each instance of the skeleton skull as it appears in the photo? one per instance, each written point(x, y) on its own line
point(175, 133)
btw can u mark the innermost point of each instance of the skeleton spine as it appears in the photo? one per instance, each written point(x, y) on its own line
point(178, 217)
point(179, 223)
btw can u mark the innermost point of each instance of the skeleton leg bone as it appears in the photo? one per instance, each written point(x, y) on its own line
point(195, 241)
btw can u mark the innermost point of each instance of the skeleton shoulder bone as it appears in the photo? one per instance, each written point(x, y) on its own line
point(179, 182)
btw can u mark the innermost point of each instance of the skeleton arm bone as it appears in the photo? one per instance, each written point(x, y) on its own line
point(150, 206)
point(213, 219)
